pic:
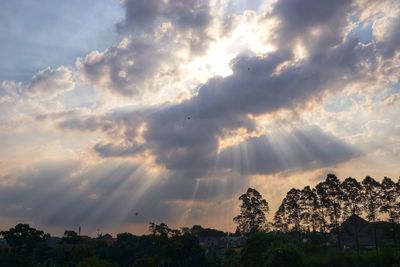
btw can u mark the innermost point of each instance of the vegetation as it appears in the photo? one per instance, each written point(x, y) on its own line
point(253, 213)
point(313, 227)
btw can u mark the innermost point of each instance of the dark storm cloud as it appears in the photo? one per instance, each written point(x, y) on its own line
point(296, 151)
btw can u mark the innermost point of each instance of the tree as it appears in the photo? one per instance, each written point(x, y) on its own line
point(309, 208)
point(334, 199)
point(255, 247)
point(284, 254)
point(330, 198)
point(162, 230)
point(253, 211)
point(280, 222)
point(390, 203)
point(27, 244)
point(390, 199)
point(292, 210)
point(70, 237)
point(371, 202)
point(95, 262)
point(352, 200)
point(352, 196)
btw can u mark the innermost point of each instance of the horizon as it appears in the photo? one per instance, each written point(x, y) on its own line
point(114, 114)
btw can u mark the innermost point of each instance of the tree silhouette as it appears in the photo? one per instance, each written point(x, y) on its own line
point(352, 201)
point(162, 230)
point(70, 237)
point(390, 199)
point(330, 199)
point(27, 244)
point(291, 211)
point(253, 211)
point(309, 208)
point(280, 222)
point(352, 197)
point(371, 202)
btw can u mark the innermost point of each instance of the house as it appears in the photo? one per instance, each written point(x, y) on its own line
point(355, 230)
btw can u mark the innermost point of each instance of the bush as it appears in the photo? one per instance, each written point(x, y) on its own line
point(95, 262)
point(283, 254)
point(255, 247)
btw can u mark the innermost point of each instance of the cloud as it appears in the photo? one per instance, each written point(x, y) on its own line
point(190, 19)
point(132, 68)
point(158, 37)
point(317, 24)
point(300, 150)
point(184, 137)
point(51, 82)
point(120, 150)
point(386, 35)
point(106, 194)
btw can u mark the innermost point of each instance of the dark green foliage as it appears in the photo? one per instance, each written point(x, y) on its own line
point(95, 262)
point(199, 231)
point(255, 247)
point(284, 254)
point(27, 245)
point(70, 237)
point(334, 258)
point(157, 249)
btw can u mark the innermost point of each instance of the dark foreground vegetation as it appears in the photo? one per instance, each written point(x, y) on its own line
point(314, 227)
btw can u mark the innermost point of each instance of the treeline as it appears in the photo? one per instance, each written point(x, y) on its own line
point(324, 207)
point(28, 247)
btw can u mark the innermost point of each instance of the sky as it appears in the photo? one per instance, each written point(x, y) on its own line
point(117, 113)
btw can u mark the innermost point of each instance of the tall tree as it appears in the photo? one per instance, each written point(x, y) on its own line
point(253, 212)
point(309, 208)
point(371, 198)
point(322, 206)
point(352, 196)
point(335, 199)
point(330, 203)
point(352, 200)
point(371, 202)
point(280, 222)
point(390, 199)
point(291, 204)
point(330, 200)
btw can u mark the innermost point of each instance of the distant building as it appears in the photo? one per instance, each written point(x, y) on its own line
point(107, 238)
point(356, 229)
